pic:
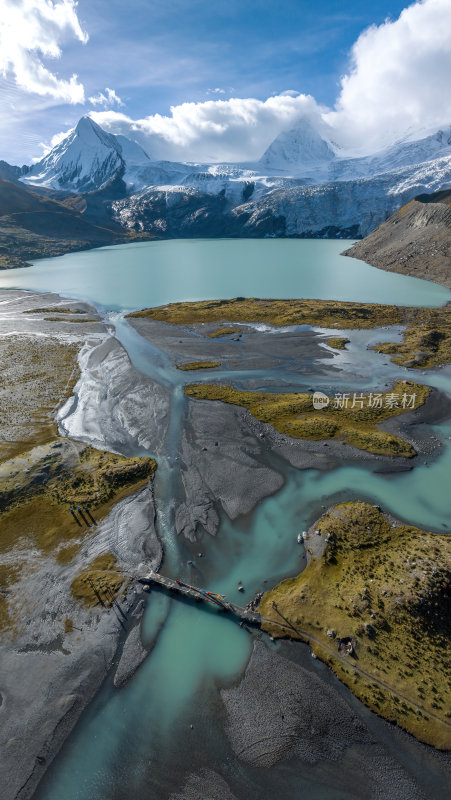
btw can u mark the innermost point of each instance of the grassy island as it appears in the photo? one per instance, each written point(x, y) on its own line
point(326, 313)
point(376, 607)
point(338, 342)
point(295, 415)
point(198, 365)
point(224, 332)
point(425, 345)
point(63, 314)
point(426, 342)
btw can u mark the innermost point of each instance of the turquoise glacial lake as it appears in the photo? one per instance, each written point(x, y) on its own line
point(141, 740)
point(154, 273)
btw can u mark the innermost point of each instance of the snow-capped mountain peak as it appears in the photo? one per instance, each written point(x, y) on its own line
point(298, 151)
point(87, 158)
point(89, 132)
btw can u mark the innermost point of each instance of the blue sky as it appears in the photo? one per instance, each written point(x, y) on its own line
point(162, 53)
point(156, 54)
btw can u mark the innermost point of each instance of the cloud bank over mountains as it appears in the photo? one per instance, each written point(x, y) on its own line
point(397, 85)
point(238, 129)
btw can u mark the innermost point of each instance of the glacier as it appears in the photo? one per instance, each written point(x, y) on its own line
point(303, 185)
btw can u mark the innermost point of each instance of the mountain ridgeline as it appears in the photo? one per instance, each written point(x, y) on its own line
point(302, 186)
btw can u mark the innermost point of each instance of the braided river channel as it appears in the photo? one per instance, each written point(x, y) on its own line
point(167, 722)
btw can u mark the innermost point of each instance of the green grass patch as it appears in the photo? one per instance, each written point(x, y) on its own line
point(338, 342)
point(37, 513)
point(100, 583)
point(199, 365)
point(224, 332)
point(295, 415)
point(387, 586)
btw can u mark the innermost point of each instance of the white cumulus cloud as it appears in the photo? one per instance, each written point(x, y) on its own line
point(397, 84)
point(399, 78)
point(215, 130)
point(32, 30)
point(107, 99)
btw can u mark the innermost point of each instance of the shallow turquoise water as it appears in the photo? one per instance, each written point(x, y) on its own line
point(154, 273)
point(139, 738)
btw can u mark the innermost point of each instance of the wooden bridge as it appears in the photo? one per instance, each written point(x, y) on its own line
point(182, 588)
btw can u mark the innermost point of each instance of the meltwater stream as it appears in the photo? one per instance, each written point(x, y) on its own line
point(139, 740)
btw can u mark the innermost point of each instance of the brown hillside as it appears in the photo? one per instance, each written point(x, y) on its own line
point(416, 240)
point(15, 198)
point(33, 225)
